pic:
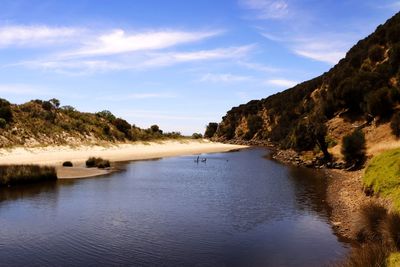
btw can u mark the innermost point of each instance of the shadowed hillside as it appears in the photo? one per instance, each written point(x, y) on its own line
point(362, 90)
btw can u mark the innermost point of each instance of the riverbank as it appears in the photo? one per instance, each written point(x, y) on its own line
point(56, 155)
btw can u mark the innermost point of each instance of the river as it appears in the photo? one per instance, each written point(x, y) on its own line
point(235, 209)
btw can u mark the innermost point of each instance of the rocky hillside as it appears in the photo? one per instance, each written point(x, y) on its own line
point(362, 90)
point(38, 123)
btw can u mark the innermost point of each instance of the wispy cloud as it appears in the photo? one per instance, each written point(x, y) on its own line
point(282, 83)
point(328, 48)
point(137, 96)
point(267, 9)
point(118, 42)
point(170, 58)
point(142, 61)
point(19, 35)
point(224, 78)
point(258, 67)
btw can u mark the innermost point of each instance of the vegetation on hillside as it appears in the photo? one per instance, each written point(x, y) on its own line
point(382, 176)
point(365, 86)
point(47, 123)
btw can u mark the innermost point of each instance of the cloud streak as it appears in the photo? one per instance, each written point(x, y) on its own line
point(266, 9)
point(282, 83)
point(19, 35)
point(119, 42)
point(224, 78)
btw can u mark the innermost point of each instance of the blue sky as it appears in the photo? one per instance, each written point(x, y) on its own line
point(176, 63)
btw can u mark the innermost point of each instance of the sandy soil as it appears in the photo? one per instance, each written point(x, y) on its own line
point(56, 155)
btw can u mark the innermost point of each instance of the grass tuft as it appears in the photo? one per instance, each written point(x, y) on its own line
point(23, 174)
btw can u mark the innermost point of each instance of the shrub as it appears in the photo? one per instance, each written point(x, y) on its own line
point(3, 123)
point(97, 162)
point(353, 148)
point(395, 124)
point(47, 105)
point(197, 136)
point(22, 174)
point(5, 110)
point(211, 129)
point(379, 102)
point(106, 114)
point(376, 53)
point(67, 164)
point(123, 126)
point(155, 129)
point(370, 223)
point(254, 124)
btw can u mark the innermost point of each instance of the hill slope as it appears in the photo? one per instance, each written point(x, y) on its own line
point(38, 123)
point(363, 88)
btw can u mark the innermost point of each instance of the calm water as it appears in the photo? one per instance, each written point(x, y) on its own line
point(238, 209)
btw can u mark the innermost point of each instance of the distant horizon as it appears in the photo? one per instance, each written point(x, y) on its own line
point(179, 64)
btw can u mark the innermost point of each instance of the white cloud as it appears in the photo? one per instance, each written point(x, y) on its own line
point(141, 61)
point(165, 59)
point(18, 35)
point(258, 67)
point(282, 83)
point(267, 9)
point(136, 96)
point(224, 78)
point(119, 42)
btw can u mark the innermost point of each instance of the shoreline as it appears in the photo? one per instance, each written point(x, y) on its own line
point(56, 155)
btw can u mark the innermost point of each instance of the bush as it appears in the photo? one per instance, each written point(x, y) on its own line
point(211, 129)
point(123, 126)
point(22, 174)
point(370, 223)
point(155, 129)
point(379, 103)
point(5, 110)
point(3, 123)
point(197, 136)
point(67, 164)
point(376, 53)
point(395, 124)
point(97, 162)
point(353, 148)
point(106, 115)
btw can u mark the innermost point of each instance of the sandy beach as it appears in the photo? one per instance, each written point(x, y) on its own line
point(56, 155)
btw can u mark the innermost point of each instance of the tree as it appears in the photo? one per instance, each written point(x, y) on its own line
point(211, 129)
point(55, 102)
point(354, 148)
point(309, 133)
point(155, 129)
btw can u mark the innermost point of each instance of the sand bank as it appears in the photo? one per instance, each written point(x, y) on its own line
point(56, 155)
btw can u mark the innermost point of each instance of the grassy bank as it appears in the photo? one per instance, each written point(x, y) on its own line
point(382, 175)
point(23, 174)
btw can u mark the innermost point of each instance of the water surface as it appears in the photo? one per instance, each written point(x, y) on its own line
point(237, 209)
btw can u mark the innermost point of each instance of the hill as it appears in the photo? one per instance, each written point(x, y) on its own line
point(362, 90)
point(41, 123)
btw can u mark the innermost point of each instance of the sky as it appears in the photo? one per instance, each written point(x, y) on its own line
point(176, 63)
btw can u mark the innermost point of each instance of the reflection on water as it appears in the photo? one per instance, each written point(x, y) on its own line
point(237, 209)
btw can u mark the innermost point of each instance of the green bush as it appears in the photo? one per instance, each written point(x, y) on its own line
point(379, 103)
point(5, 110)
point(354, 148)
point(123, 126)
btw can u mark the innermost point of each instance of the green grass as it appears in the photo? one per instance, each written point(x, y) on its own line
point(383, 176)
point(394, 260)
point(23, 174)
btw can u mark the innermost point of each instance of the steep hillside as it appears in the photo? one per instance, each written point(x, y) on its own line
point(38, 123)
point(362, 90)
